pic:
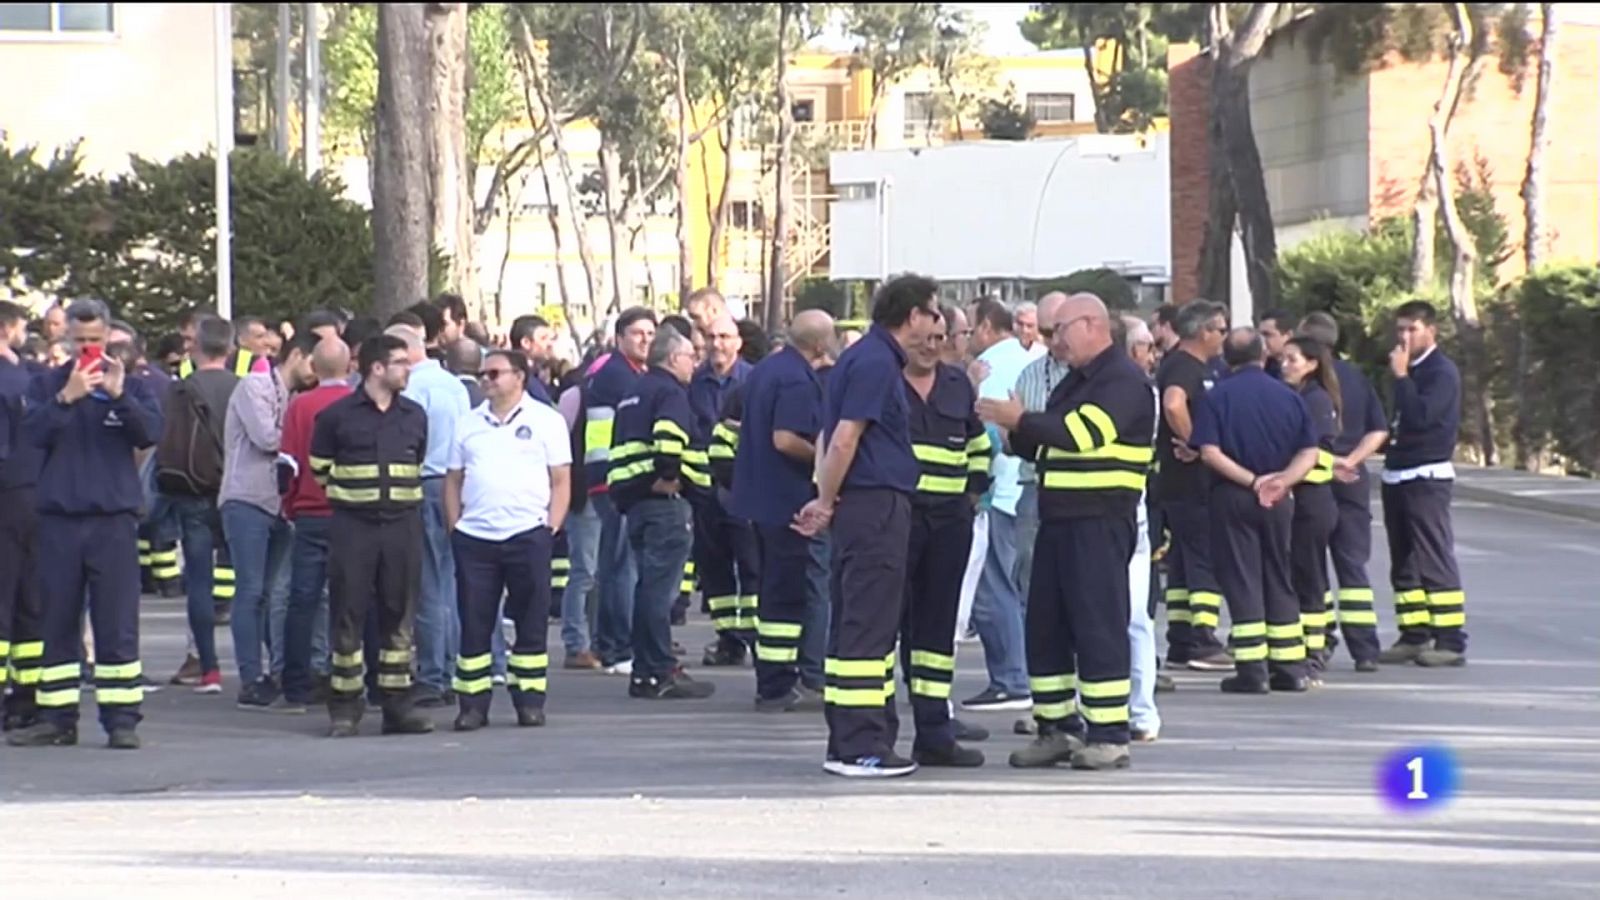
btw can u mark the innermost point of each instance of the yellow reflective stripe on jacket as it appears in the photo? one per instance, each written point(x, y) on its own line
point(939, 456)
point(1094, 481)
point(353, 472)
point(941, 484)
point(600, 425)
point(1079, 420)
point(1115, 452)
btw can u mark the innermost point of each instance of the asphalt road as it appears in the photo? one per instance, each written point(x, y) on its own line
point(1242, 797)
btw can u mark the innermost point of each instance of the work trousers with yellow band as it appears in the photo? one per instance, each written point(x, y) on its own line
point(98, 555)
point(1194, 600)
point(871, 531)
point(519, 569)
point(941, 541)
point(1350, 547)
point(374, 569)
point(21, 623)
point(727, 563)
point(1251, 551)
point(1315, 516)
point(1079, 657)
point(159, 569)
point(1429, 604)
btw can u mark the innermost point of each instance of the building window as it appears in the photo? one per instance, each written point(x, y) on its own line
point(749, 215)
point(804, 110)
point(861, 190)
point(1051, 107)
point(919, 114)
point(56, 17)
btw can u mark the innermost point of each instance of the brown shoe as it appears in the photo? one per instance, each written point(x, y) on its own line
point(189, 673)
point(583, 659)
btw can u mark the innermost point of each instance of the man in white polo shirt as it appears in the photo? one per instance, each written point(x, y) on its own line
point(506, 490)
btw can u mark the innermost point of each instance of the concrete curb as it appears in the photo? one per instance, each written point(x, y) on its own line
point(1533, 504)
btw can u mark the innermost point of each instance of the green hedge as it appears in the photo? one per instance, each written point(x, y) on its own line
point(145, 240)
point(1559, 306)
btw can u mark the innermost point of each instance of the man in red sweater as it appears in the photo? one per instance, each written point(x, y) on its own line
point(305, 630)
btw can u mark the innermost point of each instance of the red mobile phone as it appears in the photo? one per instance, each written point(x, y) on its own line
point(89, 355)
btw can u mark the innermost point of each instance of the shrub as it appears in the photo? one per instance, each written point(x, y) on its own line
point(1106, 284)
point(1559, 308)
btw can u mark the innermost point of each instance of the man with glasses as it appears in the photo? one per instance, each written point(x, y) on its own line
point(505, 494)
point(865, 479)
point(366, 452)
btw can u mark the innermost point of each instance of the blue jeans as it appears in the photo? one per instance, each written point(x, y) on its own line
point(583, 550)
point(1142, 712)
point(200, 530)
point(438, 621)
point(661, 535)
point(305, 629)
point(997, 610)
point(1027, 534)
point(259, 543)
point(814, 629)
point(613, 633)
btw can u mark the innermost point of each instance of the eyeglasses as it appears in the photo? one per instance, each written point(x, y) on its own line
point(493, 374)
point(398, 362)
point(1047, 332)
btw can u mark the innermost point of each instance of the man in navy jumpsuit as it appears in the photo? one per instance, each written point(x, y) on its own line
point(776, 452)
point(864, 485)
point(89, 418)
point(21, 646)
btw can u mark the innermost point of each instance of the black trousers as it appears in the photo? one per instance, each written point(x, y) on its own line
point(560, 572)
point(21, 612)
point(1315, 515)
point(941, 541)
point(374, 568)
point(1194, 598)
point(100, 555)
point(1079, 658)
point(1429, 603)
point(1250, 548)
point(787, 592)
point(519, 568)
point(159, 569)
point(727, 564)
point(1350, 547)
point(871, 531)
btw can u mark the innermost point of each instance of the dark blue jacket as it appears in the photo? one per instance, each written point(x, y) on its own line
point(601, 395)
point(653, 443)
point(20, 458)
point(88, 447)
point(1427, 414)
point(707, 394)
point(1362, 411)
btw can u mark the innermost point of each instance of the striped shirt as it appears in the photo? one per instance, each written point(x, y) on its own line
point(1034, 387)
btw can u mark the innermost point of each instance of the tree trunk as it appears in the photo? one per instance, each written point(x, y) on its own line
point(636, 231)
point(401, 211)
point(615, 211)
point(680, 71)
point(1528, 455)
point(591, 271)
point(553, 215)
point(505, 256)
point(282, 84)
point(1256, 231)
point(784, 190)
point(720, 216)
point(447, 136)
point(1424, 219)
point(1216, 245)
point(1463, 271)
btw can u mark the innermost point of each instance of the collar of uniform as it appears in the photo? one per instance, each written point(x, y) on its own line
point(1099, 362)
point(485, 411)
point(881, 333)
point(944, 373)
point(364, 396)
point(658, 372)
point(1425, 357)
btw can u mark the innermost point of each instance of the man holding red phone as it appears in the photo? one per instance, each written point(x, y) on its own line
point(88, 417)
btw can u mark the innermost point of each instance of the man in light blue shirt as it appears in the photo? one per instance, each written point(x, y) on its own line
point(444, 398)
point(997, 608)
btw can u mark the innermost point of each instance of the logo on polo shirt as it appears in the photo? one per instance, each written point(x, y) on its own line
point(112, 420)
point(524, 432)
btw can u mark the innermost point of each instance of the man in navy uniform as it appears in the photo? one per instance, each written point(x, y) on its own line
point(781, 416)
point(1418, 478)
point(865, 480)
point(89, 418)
point(21, 643)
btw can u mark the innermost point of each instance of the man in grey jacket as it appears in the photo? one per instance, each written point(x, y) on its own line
point(252, 520)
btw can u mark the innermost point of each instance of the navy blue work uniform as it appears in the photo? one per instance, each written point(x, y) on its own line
point(653, 444)
point(159, 569)
point(871, 531)
point(953, 449)
point(21, 624)
point(1315, 515)
point(88, 497)
point(615, 571)
point(1093, 446)
point(1350, 545)
point(783, 393)
point(1194, 599)
point(369, 461)
point(1418, 479)
point(1261, 424)
point(727, 559)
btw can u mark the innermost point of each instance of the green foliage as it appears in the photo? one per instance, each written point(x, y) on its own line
point(1136, 36)
point(1491, 234)
point(820, 293)
point(892, 39)
point(1005, 119)
point(493, 94)
point(1560, 311)
point(1106, 284)
point(145, 241)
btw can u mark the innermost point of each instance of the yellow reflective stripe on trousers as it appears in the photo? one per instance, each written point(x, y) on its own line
point(930, 660)
point(1249, 630)
point(1044, 684)
point(394, 681)
point(1356, 594)
point(857, 696)
point(57, 698)
point(472, 664)
point(779, 630)
point(1249, 654)
point(771, 654)
point(533, 685)
point(938, 690)
point(854, 668)
point(1052, 711)
point(348, 659)
point(1104, 690)
point(529, 660)
point(62, 672)
point(119, 696)
point(118, 671)
point(482, 685)
point(345, 685)
point(394, 656)
point(1104, 715)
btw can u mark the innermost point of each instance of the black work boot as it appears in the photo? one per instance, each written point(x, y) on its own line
point(724, 652)
point(346, 718)
point(1047, 750)
point(44, 734)
point(471, 719)
point(401, 716)
point(530, 716)
point(123, 739)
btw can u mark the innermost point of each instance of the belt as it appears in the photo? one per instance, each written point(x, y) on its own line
point(432, 477)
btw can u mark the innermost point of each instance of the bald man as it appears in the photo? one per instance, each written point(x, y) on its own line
point(305, 627)
point(1034, 386)
point(781, 417)
point(727, 560)
point(1093, 445)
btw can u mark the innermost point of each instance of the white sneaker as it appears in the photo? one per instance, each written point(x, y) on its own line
point(497, 680)
point(892, 766)
point(622, 668)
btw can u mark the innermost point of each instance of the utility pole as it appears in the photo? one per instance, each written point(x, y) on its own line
point(222, 24)
point(311, 88)
point(283, 85)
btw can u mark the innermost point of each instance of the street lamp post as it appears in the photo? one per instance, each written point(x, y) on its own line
point(223, 24)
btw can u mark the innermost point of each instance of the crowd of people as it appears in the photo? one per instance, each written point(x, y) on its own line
point(370, 507)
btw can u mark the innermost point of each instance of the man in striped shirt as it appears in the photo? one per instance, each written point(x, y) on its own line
point(1033, 390)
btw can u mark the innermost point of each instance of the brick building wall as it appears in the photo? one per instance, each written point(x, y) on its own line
point(1189, 84)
